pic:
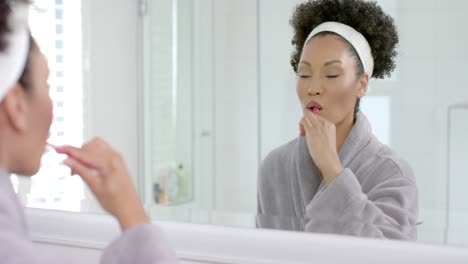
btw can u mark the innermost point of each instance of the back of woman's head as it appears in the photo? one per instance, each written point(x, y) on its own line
point(6, 28)
point(5, 12)
point(25, 105)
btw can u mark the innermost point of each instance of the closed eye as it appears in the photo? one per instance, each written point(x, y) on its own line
point(303, 76)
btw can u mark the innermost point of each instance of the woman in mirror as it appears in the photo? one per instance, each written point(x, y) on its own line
point(25, 119)
point(336, 177)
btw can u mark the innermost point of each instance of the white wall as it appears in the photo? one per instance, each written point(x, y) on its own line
point(279, 108)
point(429, 80)
point(458, 148)
point(112, 110)
point(111, 77)
point(236, 103)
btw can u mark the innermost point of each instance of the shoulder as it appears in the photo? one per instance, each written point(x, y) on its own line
point(388, 164)
point(280, 155)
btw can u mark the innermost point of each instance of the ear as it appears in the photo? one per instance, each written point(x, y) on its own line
point(16, 107)
point(363, 85)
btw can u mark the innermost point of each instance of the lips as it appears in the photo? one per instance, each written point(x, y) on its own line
point(315, 107)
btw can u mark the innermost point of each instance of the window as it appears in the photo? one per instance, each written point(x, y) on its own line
point(56, 26)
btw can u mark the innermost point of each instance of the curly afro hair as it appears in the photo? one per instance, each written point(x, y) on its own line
point(5, 12)
point(365, 17)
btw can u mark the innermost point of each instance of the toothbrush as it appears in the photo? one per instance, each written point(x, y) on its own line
point(59, 150)
point(62, 151)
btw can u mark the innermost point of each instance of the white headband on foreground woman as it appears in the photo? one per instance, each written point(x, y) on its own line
point(357, 40)
point(13, 58)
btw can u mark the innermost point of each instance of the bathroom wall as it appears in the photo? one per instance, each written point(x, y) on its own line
point(236, 105)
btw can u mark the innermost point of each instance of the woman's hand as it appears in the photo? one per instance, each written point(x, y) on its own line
point(104, 170)
point(320, 135)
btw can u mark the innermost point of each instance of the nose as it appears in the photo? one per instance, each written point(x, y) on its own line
point(314, 88)
point(312, 93)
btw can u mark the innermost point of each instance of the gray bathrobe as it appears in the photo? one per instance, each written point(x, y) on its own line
point(375, 196)
point(143, 244)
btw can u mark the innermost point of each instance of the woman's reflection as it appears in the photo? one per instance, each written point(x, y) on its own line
point(336, 177)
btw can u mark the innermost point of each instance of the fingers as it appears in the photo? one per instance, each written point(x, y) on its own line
point(316, 120)
point(91, 154)
point(302, 132)
point(305, 126)
point(89, 175)
point(312, 117)
point(104, 171)
point(82, 156)
point(311, 122)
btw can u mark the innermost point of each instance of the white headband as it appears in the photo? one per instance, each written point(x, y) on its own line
point(357, 40)
point(13, 58)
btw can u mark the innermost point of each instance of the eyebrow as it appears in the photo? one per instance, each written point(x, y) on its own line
point(328, 63)
point(306, 63)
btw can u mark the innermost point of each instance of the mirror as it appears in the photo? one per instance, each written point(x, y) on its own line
point(220, 95)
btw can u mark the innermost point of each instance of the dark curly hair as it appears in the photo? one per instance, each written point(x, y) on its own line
point(5, 13)
point(365, 17)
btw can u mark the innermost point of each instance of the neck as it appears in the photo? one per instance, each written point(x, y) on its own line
point(4, 160)
point(7, 146)
point(342, 131)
